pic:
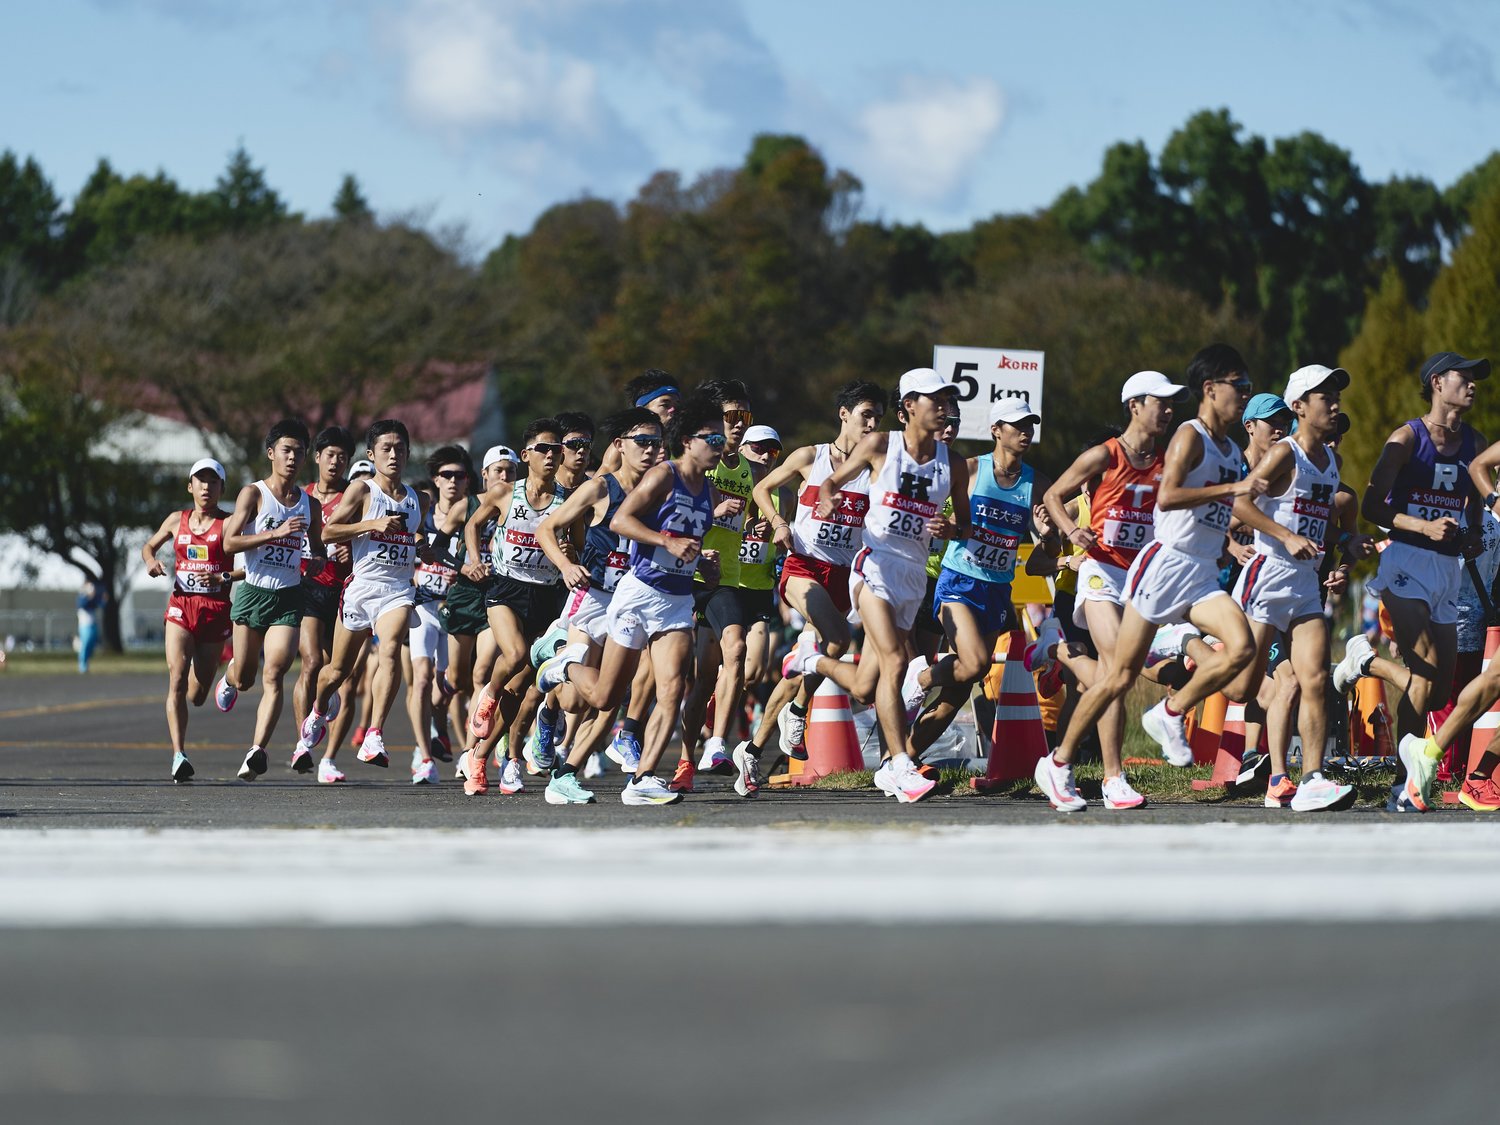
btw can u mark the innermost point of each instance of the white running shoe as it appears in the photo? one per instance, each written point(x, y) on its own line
point(714, 759)
point(459, 767)
point(425, 773)
point(1048, 636)
point(314, 727)
point(1170, 642)
point(913, 695)
point(225, 693)
point(329, 773)
point(1120, 794)
point(746, 771)
point(648, 791)
point(1318, 794)
point(1358, 655)
point(510, 777)
point(805, 659)
point(902, 780)
point(1170, 733)
point(793, 733)
point(1056, 784)
point(372, 750)
point(302, 759)
point(254, 764)
point(594, 767)
point(554, 670)
point(1420, 768)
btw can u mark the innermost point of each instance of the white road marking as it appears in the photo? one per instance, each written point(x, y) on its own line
point(1063, 872)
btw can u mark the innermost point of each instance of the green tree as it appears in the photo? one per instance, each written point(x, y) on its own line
point(350, 203)
point(29, 221)
point(1465, 193)
point(1464, 311)
point(243, 198)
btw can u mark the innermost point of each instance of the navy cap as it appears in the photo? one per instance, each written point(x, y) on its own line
point(1452, 361)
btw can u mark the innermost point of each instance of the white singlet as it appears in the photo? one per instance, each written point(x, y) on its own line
point(276, 565)
point(1305, 507)
point(1200, 531)
point(388, 558)
point(905, 495)
point(837, 539)
point(517, 554)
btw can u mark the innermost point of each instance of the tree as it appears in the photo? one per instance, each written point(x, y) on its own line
point(243, 198)
point(1464, 310)
point(29, 219)
point(350, 203)
point(60, 488)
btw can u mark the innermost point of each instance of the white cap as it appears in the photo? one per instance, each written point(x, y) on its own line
point(363, 465)
point(1152, 383)
point(207, 463)
point(924, 381)
point(1303, 381)
point(497, 453)
point(760, 433)
point(1012, 409)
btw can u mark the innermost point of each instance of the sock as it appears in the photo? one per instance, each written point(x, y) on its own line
point(1486, 767)
point(1277, 779)
point(631, 726)
point(563, 770)
point(1166, 705)
point(799, 712)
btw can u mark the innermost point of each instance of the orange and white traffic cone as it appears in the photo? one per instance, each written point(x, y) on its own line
point(1229, 754)
point(832, 740)
point(1208, 734)
point(1019, 739)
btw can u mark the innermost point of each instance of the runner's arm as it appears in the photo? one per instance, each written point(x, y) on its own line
point(491, 506)
point(650, 493)
point(1089, 464)
point(868, 454)
point(246, 505)
point(341, 526)
point(1184, 454)
point(1274, 467)
point(571, 514)
point(794, 467)
point(162, 535)
point(1375, 506)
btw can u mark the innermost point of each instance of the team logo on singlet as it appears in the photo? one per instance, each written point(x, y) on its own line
point(914, 485)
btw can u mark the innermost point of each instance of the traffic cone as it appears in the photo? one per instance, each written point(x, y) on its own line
point(1370, 721)
point(832, 741)
point(1229, 754)
point(1019, 740)
point(1208, 733)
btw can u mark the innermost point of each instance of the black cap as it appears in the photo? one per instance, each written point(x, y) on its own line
point(1344, 423)
point(1452, 361)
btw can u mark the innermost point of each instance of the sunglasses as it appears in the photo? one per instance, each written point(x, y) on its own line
point(735, 417)
point(645, 442)
point(578, 445)
point(713, 441)
point(545, 447)
point(765, 448)
point(452, 474)
point(951, 421)
point(1244, 386)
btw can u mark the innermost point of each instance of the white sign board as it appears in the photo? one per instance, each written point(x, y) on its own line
point(987, 375)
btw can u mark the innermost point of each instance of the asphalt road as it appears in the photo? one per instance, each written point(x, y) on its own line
point(92, 751)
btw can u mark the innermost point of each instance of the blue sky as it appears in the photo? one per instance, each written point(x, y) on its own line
point(484, 112)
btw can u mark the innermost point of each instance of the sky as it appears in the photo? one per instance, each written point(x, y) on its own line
point(480, 114)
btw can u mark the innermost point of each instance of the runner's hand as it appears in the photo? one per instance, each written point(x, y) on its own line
point(1441, 531)
point(1241, 553)
point(1251, 487)
point(475, 571)
point(156, 570)
point(575, 577)
point(1082, 537)
point(1338, 580)
point(781, 535)
point(683, 547)
point(1300, 547)
point(293, 525)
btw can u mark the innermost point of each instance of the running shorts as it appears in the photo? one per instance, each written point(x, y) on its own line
point(1423, 576)
point(205, 618)
point(1163, 583)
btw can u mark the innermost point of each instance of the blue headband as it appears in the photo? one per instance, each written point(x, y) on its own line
point(665, 390)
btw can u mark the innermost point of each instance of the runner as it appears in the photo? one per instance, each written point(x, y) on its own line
point(815, 576)
point(1127, 470)
point(636, 438)
point(321, 584)
point(198, 609)
point(654, 390)
point(720, 609)
point(761, 446)
point(524, 600)
point(1176, 578)
point(972, 600)
point(1425, 490)
point(273, 521)
point(1279, 588)
point(911, 474)
point(665, 517)
point(427, 692)
point(380, 518)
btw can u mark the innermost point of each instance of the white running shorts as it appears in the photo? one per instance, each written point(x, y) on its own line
point(1423, 576)
point(1163, 584)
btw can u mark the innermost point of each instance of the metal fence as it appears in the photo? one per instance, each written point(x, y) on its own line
point(56, 630)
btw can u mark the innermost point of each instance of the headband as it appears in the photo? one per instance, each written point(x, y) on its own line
point(666, 389)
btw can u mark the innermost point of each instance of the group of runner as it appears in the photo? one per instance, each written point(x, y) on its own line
point(543, 614)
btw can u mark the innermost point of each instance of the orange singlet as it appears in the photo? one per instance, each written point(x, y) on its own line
point(1120, 511)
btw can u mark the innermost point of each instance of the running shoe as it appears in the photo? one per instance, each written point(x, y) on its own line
point(314, 727)
point(1480, 795)
point(333, 708)
point(1358, 655)
point(445, 690)
point(528, 759)
point(648, 791)
point(624, 750)
point(1420, 756)
point(554, 670)
point(913, 694)
point(793, 734)
point(543, 740)
point(1170, 643)
point(510, 777)
point(424, 773)
point(372, 750)
point(442, 748)
point(909, 783)
point(1041, 658)
point(713, 758)
point(225, 693)
point(1170, 733)
point(1253, 765)
point(302, 759)
point(1280, 794)
point(1120, 794)
point(1399, 802)
point(682, 779)
point(482, 717)
point(182, 769)
point(476, 776)
point(564, 789)
point(254, 764)
point(805, 659)
point(460, 761)
point(545, 647)
point(329, 772)
point(746, 771)
point(1318, 794)
point(357, 737)
point(1056, 783)
point(594, 767)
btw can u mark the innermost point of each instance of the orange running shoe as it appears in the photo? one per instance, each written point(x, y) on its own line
point(476, 779)
point(1481, 796)
point(682, 780)
point(482, 717)
point(1279, 794)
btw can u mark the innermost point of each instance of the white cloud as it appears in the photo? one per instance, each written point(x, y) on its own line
point(922, 143)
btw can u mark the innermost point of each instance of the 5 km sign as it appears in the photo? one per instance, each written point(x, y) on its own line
point(987, 375)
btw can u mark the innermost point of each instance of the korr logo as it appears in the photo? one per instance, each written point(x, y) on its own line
point(1008, 364)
